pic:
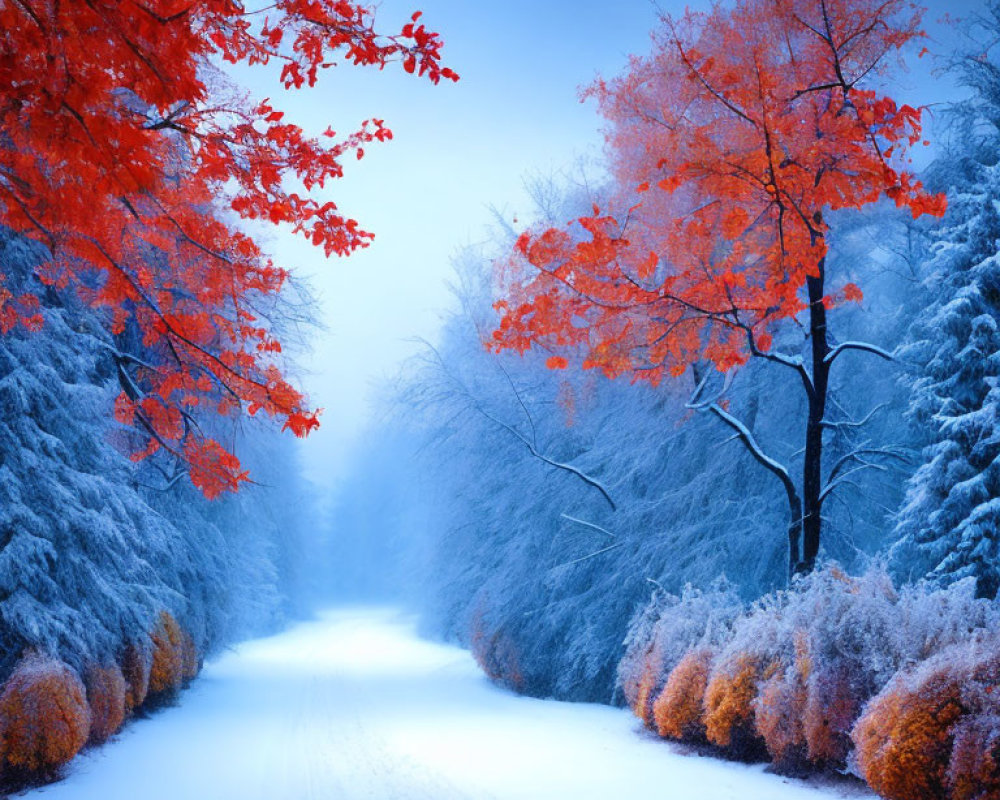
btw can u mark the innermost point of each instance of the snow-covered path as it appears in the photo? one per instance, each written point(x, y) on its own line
point(355, 705)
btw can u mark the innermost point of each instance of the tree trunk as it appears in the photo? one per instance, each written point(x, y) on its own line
point(812, 467)
point(794, 536)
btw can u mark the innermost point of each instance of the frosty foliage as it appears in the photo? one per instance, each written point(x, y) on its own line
point(931, 733)
point(92, 546)
point(44, 716)
point(669, 625)
point(534, 506)
point(788, 676)
point(948, 525)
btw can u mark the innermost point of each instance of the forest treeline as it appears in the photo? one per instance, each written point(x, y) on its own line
point(593, 533)
point(151, 511)
point(117, 579)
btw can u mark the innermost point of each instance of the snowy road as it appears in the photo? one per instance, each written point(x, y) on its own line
point(355, 705)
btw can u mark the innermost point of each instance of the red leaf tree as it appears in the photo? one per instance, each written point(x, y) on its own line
point(126, 153)
point(742, 130)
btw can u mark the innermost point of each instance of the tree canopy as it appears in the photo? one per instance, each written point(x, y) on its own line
point(127, 153)
point(744, 125)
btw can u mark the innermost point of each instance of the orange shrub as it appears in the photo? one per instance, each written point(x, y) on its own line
point(904, 737)
point(646, 694)
point(44, 718)
point(646, 687)
point(832, 706)
point(106, 690)
point(496, 655)
point(974, 772)
point(780, 707)
point(729, 704)
point(167, 670)
point(678, 711)
point(778, 719)
point(936, 732)
point(189, 657)
point(136, 664)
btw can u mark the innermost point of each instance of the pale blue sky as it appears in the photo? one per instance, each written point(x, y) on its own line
point(459, 149)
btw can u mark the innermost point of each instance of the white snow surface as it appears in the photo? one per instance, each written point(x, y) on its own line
point(356, 705)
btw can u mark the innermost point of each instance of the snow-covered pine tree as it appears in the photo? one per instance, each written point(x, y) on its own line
point(949, 524)
point(92, 546)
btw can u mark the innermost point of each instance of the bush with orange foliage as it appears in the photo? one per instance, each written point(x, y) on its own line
point(974, 770)
point(663, 632)
point(780, 706)
point(679, 709)
point(137, 662)
point(647, 689)
point(778, 719)
point(496, 653)
point(933, 733)
point(729, 704)
point(44, 718)
point(167, 669)
point(758, 649)
point(836, 694)
point(106, 691)
point(849, 636)
point(974, 767)
point(190, 660)
point(904, 738)
point(792, 674)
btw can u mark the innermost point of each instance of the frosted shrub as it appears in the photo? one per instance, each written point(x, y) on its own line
point(844, 633)
point(779, 709)
point(44, 718)
point(167, 670)
point(106, 689)
point(933, 732)
point(843, 639)
point(190, 659)
point(729, 704)
point(834, 698)
point(909, 678)
point(904, 738)
point(496, 654)
point(974, 770)
point(974, 762)
point(137, 662)
point(663, 632)
point(639, 666)
point(755, 653)
point(679, 709)
point(933, 618)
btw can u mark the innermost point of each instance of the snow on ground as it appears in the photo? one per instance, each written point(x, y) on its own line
point(355, 705)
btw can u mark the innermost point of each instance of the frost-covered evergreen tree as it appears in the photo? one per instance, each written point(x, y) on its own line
point(93, 546)
point(949, 524)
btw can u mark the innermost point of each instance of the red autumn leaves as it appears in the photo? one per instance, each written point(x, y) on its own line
point(737, 134)
point(127, 154)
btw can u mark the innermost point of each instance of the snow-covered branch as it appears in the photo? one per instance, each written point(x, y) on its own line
point(863, 346)
point(590, 525)
point(583, 476)
point(745, 435)
point(531, 445)
point(840, 471)
point(848, 423)
point(589, 556)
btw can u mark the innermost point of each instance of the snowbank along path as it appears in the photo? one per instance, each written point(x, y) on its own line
point(356, 705)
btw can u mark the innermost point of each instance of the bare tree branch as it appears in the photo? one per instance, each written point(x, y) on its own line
point(864, 346)
point(592, 555)
point(586, 524)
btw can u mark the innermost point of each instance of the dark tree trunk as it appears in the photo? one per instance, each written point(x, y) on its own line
point(812, 467)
